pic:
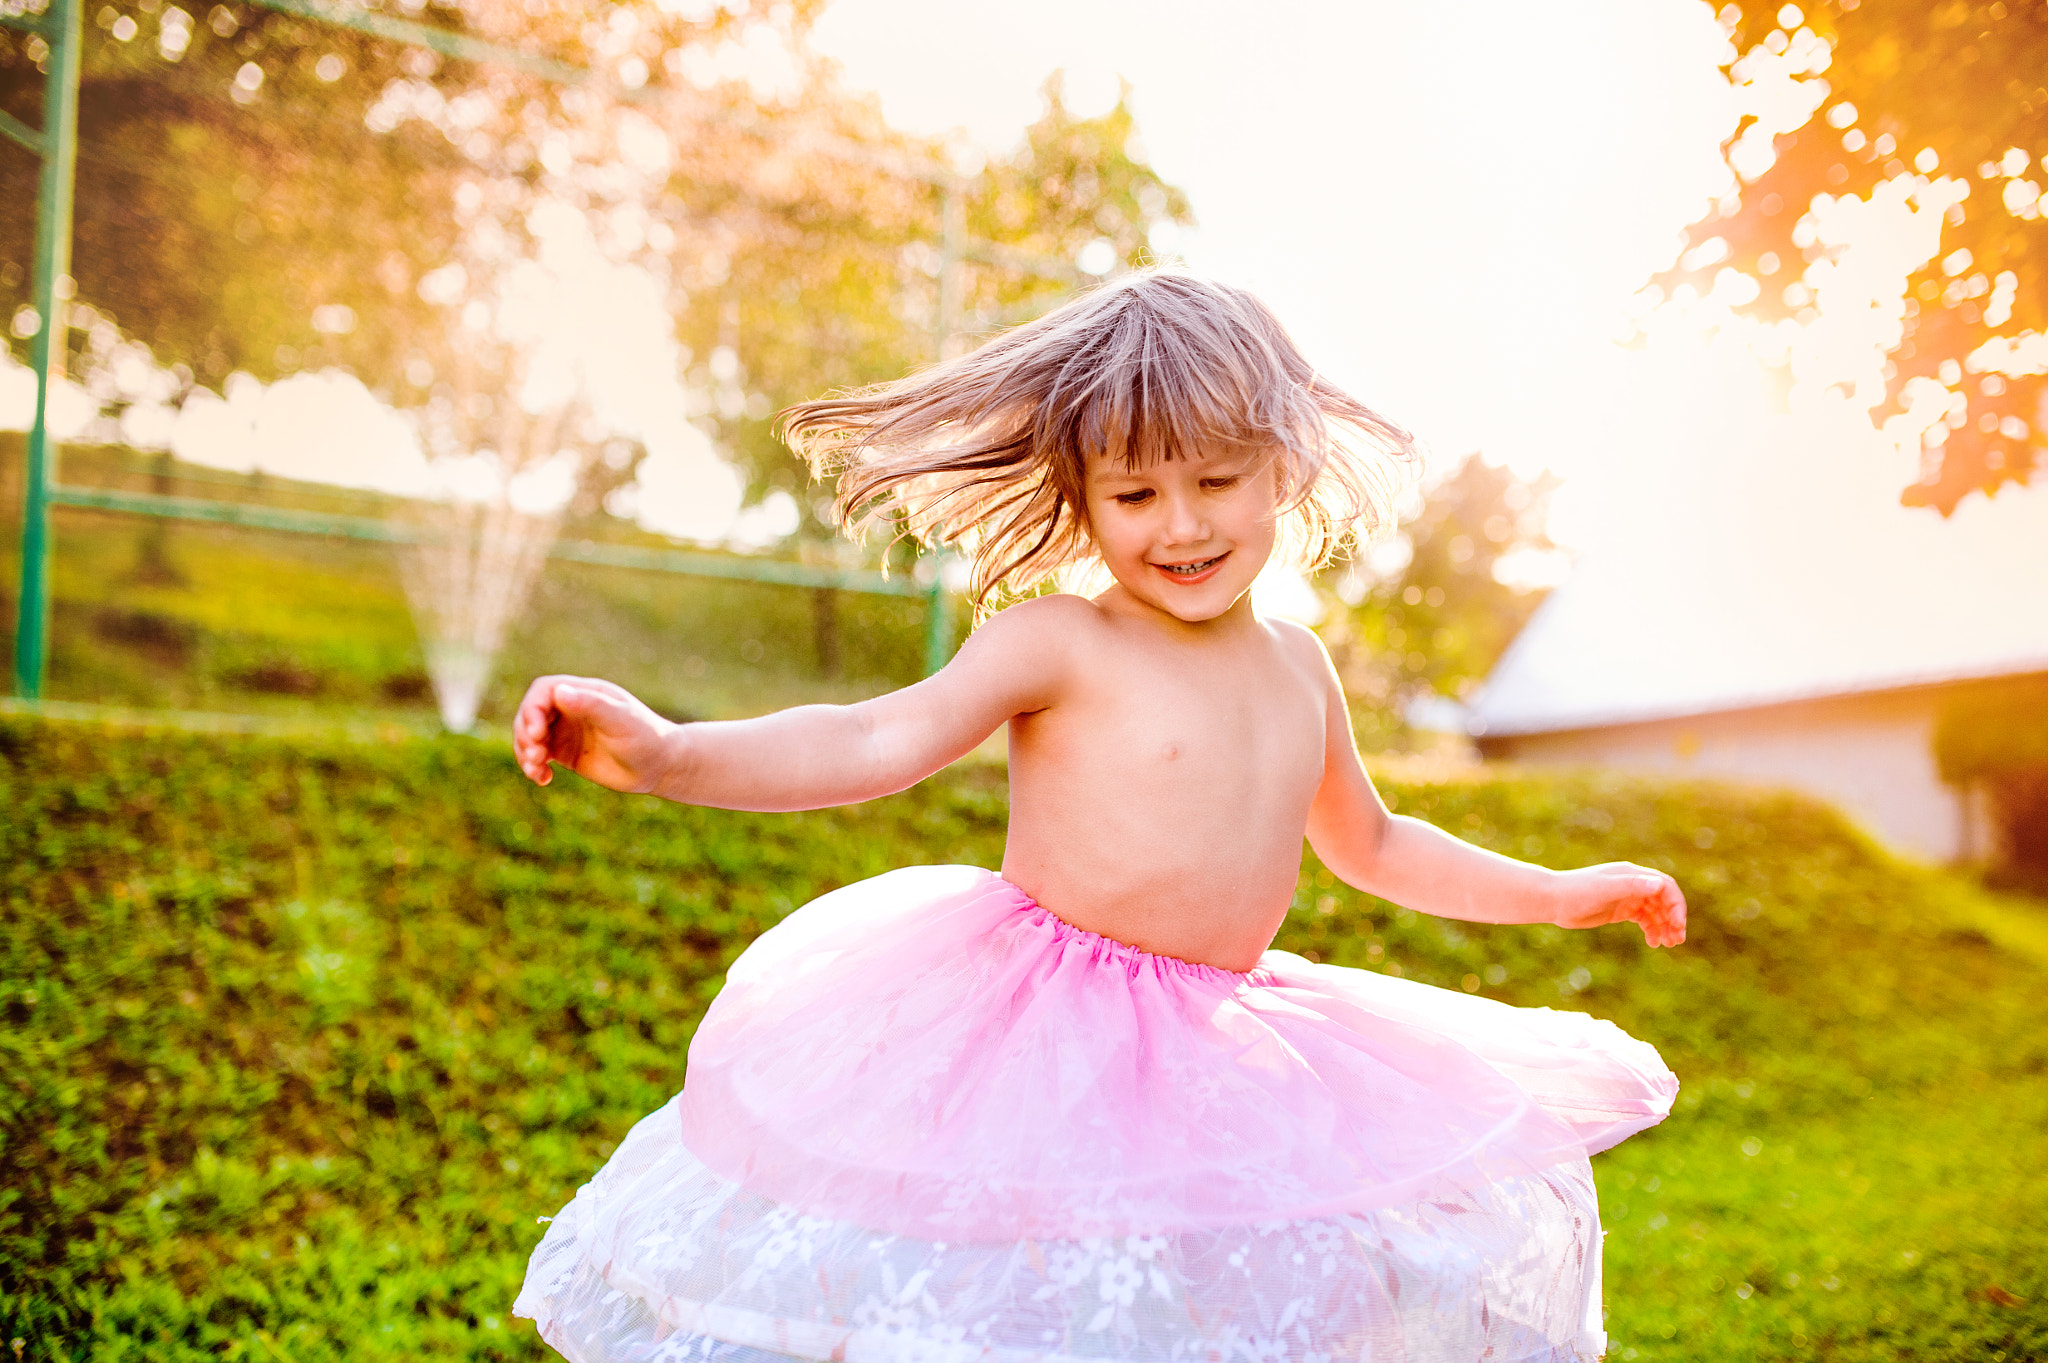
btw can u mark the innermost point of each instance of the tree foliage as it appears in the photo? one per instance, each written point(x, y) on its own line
point(1927, 88)
point(1438, 622)
point(228, 185)
point(262, 193)
point(833, 277)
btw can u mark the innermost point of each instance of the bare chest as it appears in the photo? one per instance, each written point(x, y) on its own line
point(1201, 737)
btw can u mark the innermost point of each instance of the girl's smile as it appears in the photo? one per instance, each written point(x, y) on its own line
point(1185, 536)
point(1198, 571)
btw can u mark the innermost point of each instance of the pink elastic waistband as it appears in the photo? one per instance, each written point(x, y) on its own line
point(1131, 958)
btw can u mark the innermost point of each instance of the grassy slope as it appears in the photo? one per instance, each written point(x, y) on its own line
point(333, 614)
point(300, 1036)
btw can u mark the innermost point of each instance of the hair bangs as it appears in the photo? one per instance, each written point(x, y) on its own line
point(989, 451)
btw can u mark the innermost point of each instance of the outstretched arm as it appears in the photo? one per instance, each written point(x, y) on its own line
point(1421, 867)
point(808, 757)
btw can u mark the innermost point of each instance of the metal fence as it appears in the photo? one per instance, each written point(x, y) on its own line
point(58, 24)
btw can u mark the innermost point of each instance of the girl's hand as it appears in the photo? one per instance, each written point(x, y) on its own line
point(595, 728)
point(1621, 892)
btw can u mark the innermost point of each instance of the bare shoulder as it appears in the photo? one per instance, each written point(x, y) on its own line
point(1299, 644)
point(1042, 624)
point(1054, 610)
point(1029, 650)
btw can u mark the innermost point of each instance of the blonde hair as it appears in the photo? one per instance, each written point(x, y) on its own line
point(990, 449)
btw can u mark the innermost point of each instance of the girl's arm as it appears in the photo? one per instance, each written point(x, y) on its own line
point(808, 757)
point(1421, 867)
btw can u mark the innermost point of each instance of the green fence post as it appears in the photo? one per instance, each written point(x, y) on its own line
point(938, 620)
point(60, 30)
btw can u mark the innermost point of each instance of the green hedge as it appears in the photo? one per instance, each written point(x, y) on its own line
point(299, 1037)
point(1994, 736)
point(1993, 729)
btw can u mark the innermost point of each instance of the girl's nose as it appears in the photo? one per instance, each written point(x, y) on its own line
point(1185, 523)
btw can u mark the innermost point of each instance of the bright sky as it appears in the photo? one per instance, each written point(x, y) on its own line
point(1450, 206)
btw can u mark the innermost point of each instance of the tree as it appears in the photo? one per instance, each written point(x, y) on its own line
point(1911, 88)
point(832, 277)
point(828, 275)
point(263, 193)
point(230, 195)
point(1446, 601)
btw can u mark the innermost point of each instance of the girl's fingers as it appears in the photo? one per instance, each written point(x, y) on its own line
point(536, 744)
point(1667, 910)
point(1643, 898)
point(572, 721)
point(532, 728)
point(1674, 910)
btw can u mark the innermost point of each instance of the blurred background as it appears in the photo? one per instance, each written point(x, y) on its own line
point(363, 360)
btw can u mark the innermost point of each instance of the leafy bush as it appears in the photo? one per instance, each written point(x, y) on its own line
point(1995, 736)
point(1991, 729)
point(300, 1037)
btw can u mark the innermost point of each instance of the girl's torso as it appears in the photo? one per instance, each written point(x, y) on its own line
point(1161, 800)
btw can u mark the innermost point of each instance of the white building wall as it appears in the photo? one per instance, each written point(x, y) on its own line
point(1872, 755)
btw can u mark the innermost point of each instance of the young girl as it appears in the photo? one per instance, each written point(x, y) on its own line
point(1078, 1110)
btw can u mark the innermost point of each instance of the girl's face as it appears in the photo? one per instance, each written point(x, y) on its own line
point(1188, 535)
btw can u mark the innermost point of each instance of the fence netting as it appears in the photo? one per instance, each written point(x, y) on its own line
point(376, 314)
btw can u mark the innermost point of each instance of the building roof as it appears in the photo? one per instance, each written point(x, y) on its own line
point(1756, 591)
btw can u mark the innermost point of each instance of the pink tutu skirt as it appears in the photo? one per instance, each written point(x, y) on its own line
point(927, 1121)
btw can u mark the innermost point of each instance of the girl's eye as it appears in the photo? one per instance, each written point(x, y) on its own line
point(1138, 498)
point(1222, 484)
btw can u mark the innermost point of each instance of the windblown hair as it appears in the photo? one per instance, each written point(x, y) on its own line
point(989, 450)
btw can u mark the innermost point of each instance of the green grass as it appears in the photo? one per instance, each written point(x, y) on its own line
point(299, 1035)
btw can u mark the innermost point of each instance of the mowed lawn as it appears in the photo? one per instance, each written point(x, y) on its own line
point(299, 1036)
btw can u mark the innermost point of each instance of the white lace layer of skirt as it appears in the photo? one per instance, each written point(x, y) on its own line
point(659, 1259)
